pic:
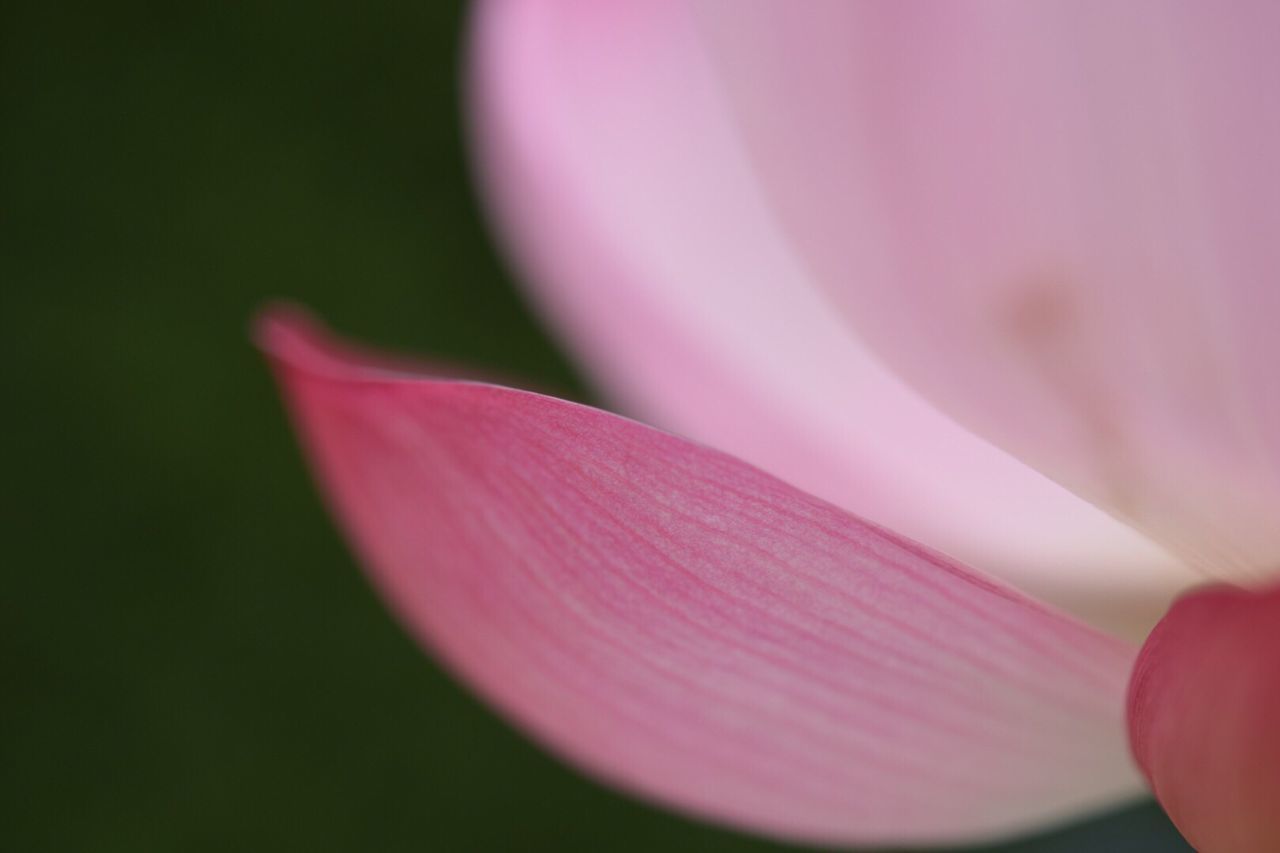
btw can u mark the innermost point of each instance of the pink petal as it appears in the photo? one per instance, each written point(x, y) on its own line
point(686, 627)
point(1077, 204)
point(614, 166)
point(1204, 705)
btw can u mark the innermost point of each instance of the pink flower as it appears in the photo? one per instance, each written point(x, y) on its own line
point(998, 278)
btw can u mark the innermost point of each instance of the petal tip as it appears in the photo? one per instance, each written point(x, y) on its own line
point(296, 341)
point(286, 331)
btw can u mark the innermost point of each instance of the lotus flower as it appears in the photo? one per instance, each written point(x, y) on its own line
point(966, 316)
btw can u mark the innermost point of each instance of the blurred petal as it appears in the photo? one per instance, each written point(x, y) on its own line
point(612, 164)
point(689, 628)
point(1203, 710)
point(1079, 204)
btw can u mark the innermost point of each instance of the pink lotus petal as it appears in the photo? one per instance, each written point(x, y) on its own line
point(1204, 711)
point(687, 627)
point(1079, 204)
point(614, 167)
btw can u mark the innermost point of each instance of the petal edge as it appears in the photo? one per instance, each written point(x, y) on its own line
point(1203, 706)
point(689, 628)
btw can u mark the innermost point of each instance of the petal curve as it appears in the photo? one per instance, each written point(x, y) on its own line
point(687, 627)
point(612, 163)
point(1078, 203)
point(1203, 710)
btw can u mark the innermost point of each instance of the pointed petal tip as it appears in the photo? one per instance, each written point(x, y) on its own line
point(287, 332)
point(296, 341)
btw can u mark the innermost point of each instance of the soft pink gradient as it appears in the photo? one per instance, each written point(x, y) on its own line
point(688, 627)
point(999, 276)
point(615, 168)
point(1204, 718)
point(1075, 206)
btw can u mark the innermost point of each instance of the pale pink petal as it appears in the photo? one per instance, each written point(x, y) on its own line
point(687, 627)
point(1204, 718)
point(611, 161)
point(1077, 205)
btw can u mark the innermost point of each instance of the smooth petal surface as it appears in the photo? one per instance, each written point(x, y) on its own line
point(677, 622)
point(613, 165)
point(1204, 718)
point(1078, 204)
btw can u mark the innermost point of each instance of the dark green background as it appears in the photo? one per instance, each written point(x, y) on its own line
point(190, 658)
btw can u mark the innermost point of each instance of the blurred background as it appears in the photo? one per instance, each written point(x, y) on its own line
point(190, 658)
